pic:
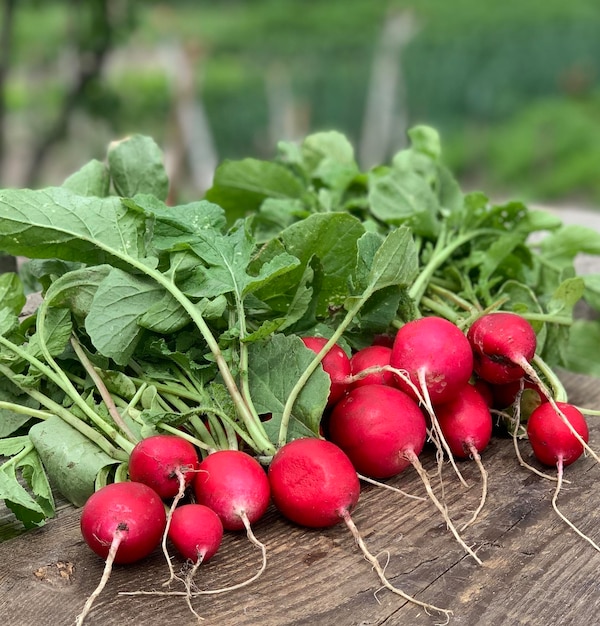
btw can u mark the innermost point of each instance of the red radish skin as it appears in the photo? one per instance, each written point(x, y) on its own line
point(485, 389)
point(336, 363)
point(122, 523)
point(157, 462)
point(375, 426)
point(500, 342)
point(232, 482)
point(134, 509)
point(196, 532)
point(551, 439)
point(436, 351)
point(314, 484)
point(370, 357)
point(466, 422)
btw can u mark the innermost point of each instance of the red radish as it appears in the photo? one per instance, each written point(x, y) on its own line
point(435, 354)
point(382, 431)
point(234, 485)
point(305, 487)
point(466, 423)
point(162, 461)
point(501, 342)
point(314, 484)
point(122, 523)
point(133, 510)
point(196, 532)
point(551, 439)
point(554, 444)
point(335, 363)
point(437, 361)
point(367, 358)
point(375, 426)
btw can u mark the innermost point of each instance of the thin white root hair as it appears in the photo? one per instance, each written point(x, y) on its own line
point(176, 499)
point(210, 592)
point(377, 483)
point(412, 457)
point(436, 426)
point(110, 559)
point(188, 581)
point(484, 487)
point(572, 526)
point(372, 559)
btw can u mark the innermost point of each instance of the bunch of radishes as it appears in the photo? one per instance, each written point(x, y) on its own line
point(433, 381)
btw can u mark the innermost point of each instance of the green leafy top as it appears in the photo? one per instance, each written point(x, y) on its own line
point(186, 318)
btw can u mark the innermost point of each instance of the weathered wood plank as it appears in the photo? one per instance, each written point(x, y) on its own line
point(536, 570)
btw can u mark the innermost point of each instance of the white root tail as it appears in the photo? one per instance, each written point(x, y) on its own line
point(112, 553)
point(176, 499)
point(559, 467)
point(381, 574)
point(484, 483)
point(412, 457)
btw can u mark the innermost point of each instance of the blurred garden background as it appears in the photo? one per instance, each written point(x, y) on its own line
point(513, 87)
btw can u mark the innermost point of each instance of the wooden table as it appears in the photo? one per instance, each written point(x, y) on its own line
point(535, 570)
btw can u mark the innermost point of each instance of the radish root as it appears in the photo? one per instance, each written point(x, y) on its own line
point(378, 483)
point(560, 469)
point(180, 493)
point(208, 592)
point(484, 483)
point(345, 515)
point(412, 457)
point(112, 553)
point(440, 439)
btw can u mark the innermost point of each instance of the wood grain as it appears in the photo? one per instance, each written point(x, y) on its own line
point(535, 571)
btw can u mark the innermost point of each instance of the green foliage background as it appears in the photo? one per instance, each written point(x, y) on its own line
point(512, 86)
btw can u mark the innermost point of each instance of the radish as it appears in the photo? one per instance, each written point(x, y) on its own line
point(314, 484)
point(377, 427)
point(375, 356)
point(163, 462)
point(554, 444)
point(122, 523)
point(501, 342)
point(435, 355)
point(382, 431)
point(196, 532)
point(235, 486)
point(168, 464)
point(435, 361)
point(335, 363)
point(467, 424)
